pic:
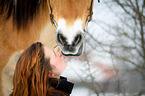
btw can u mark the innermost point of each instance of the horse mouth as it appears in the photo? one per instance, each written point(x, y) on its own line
point(78, 54)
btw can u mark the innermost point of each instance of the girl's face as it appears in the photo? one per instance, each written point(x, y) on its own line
point(57, 60)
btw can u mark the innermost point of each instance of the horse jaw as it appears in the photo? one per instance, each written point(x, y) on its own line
point(70, 32)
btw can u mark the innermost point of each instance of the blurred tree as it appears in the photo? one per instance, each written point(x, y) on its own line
point(121, 40)
point(125, 42)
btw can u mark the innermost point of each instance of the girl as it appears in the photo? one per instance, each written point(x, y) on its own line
point(37, 73)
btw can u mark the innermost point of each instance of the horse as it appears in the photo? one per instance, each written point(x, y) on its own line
point(52, 22)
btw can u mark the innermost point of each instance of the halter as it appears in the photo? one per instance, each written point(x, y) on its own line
point(51, 15)
point(89, 17)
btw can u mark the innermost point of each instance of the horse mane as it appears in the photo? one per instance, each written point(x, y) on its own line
point(22, 11)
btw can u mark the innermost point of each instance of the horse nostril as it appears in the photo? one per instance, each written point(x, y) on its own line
point(77, 40)
point(69, 48)
point(61, 39)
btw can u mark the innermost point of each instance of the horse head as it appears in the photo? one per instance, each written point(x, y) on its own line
point(70, 18)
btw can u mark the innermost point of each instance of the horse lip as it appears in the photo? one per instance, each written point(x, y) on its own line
point(78, 54)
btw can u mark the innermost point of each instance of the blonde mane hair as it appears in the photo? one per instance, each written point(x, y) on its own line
point(31, 74)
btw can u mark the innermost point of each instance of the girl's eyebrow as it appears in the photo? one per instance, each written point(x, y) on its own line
point(54, 53)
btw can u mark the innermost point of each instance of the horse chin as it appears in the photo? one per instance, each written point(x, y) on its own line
point(78, 54)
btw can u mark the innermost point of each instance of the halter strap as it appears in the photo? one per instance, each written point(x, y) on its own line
point(89, 17)
point(51, 15)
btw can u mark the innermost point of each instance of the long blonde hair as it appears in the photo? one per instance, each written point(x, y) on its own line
point(31, 74)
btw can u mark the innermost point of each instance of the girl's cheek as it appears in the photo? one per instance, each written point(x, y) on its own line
point(51, 62)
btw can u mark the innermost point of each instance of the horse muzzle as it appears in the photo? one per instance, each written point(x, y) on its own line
point(73, 47)
point(79, 52)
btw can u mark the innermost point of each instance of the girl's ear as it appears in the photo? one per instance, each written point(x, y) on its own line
point(50, 75)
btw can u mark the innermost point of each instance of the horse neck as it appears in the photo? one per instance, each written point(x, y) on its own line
point(23, 37)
